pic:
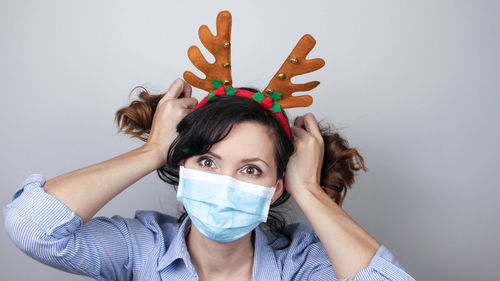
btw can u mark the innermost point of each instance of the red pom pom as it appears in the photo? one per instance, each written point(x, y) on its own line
point(220, 91)
point(267, 102)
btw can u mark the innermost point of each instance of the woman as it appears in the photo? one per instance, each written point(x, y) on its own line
point(228, 138)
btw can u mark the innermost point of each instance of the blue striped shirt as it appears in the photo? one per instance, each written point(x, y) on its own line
point(152, 246)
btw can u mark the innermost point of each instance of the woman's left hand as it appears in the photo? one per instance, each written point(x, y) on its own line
point(303, 172)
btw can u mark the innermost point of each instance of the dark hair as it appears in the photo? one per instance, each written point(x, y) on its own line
point(212, 122)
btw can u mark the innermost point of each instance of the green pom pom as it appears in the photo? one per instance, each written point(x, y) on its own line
point(275, 96)
point(276, 107)
point(216, 83)
point(258, 96)
point(230, 91)
point(210, 95)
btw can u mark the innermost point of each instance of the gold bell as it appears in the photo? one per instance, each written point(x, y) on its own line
point(269, 91)
point(227, 64)
point(294, 60)
point(227, 82)
point(227, 45)
point(281, 76)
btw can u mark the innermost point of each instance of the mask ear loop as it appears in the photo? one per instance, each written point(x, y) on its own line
point(275, 185)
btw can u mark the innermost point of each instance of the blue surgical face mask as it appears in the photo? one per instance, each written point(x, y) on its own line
point(221, 207)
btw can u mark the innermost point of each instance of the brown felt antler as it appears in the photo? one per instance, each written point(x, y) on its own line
point(296, 64)
point(220, 46)
point(220, 71)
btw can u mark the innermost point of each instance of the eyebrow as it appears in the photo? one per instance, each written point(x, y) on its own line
point(242, 160)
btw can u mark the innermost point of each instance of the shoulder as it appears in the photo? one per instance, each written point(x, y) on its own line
point(303, 240)
point(157, 222)
point(154, 217)
point(300, 230)
point(147, 235)
point(146, 230)
point(295, 235)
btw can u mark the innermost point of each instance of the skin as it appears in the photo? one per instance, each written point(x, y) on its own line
point(215, 260)
point(349, 247)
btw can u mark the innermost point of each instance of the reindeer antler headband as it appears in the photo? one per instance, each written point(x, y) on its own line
point(276, 96)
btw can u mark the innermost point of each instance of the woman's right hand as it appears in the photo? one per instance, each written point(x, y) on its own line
point(171, 109)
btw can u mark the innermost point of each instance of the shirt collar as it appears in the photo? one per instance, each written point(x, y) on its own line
point(177, 248)
point(265, 266)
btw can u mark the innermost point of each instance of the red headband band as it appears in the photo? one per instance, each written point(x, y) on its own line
point(267, 102)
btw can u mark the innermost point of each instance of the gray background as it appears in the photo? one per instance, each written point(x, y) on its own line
point(413, 85)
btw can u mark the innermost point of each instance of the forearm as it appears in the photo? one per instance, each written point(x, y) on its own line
point(85, 191)
point(349, 247)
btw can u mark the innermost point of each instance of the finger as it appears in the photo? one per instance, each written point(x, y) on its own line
point(187, 102)
point(298, 132)
point(311, 125)
point(171, 87)
point(188, 90)
point(299, 122)
point(176, 89)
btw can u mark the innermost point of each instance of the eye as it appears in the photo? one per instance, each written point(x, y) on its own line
point(252, 171)
point(206, 163)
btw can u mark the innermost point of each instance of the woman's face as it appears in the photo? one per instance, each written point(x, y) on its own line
point(246, 154)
